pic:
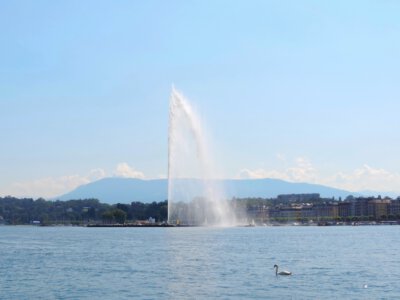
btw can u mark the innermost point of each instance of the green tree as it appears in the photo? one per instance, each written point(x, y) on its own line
point(108, 217)
point(119, 215)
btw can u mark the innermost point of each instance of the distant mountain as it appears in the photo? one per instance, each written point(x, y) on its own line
point(121, 190)
point(268, 188)
point(126, 190)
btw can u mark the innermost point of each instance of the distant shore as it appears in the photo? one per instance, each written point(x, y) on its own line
point(165, 225)
point(252, 225)
point(130, 225)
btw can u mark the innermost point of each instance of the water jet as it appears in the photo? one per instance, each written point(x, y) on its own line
point(195, 196)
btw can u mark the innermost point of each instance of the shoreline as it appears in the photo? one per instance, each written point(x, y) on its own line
point(166, 225)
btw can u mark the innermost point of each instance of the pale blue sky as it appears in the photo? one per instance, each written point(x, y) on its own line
point(299, 90)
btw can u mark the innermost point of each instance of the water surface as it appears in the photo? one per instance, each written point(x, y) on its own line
point(199, 263)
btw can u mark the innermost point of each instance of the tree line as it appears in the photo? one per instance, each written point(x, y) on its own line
point(20, 211)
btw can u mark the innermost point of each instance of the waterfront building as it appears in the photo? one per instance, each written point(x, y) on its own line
point(378, 208)
point(307, 211)
point(285, 213)
point(394, 208)
point(361, 206)
point(291, 198)
point(328, 210)
point(345, 209)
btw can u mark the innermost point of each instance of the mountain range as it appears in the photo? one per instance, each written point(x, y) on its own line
point(126, 190)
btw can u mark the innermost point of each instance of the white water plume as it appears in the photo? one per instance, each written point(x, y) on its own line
point(195, 196)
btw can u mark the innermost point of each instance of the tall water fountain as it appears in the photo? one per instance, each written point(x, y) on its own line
point(195, 196)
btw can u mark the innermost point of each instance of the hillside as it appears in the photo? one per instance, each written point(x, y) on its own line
point(126, 190)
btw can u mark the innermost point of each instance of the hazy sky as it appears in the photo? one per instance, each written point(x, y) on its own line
point(300, 90)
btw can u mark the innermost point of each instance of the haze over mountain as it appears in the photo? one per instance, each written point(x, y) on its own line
point(125, 190)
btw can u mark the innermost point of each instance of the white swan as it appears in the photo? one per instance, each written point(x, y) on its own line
point(282, 272)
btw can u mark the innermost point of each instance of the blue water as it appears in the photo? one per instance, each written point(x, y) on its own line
point(199, 263)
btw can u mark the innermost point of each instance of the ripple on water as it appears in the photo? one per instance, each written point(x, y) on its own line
point(200, 263)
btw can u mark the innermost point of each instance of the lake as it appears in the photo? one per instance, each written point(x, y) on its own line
point(343, 262)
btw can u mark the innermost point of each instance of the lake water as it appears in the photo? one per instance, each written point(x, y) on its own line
point(360, 262)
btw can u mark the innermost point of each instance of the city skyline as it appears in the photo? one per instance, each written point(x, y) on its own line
point(298, 90)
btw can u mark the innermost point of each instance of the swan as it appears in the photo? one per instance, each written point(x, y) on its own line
point(282, 272)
